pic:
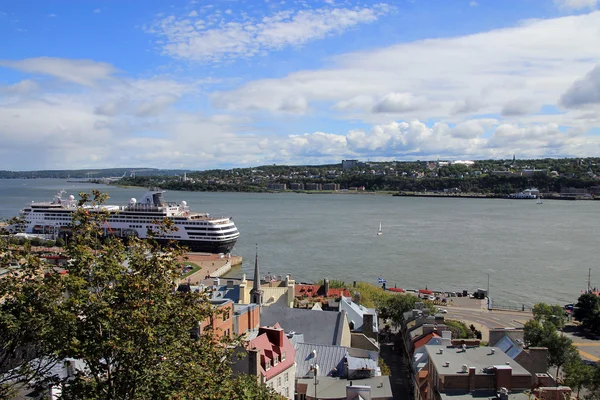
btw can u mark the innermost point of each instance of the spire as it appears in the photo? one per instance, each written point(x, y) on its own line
point(256, 293)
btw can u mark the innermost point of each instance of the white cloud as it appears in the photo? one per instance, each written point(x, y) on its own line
point(184, 39)
point(398, 103)
point(518, 107)
point(51, 15)
point(481, 73)
point(98, 10)
point(193, 13)
point(82, 72)
point(473, 3)
point(584, 91)
point(576, 4)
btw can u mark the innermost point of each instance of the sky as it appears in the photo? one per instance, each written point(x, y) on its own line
point(239, 83)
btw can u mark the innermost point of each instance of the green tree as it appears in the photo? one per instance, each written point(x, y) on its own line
point(554, 314)
point(117, 313)
point(587, 311)
point(578, 375)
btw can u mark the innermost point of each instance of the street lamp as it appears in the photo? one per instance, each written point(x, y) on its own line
point(316, 380)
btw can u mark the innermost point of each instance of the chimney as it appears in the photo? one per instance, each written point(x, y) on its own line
point(326, 281)
point(279, 337)
point(368, 325)
point(216, 282)
point(229, 284)
point(472, 379)
point(254, 362)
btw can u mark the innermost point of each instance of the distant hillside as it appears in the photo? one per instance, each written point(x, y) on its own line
point(91, 173)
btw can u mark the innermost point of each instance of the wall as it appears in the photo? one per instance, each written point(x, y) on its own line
point(248, 320)
point(282, 386)
point(346, 339)
point(360, 341)
point(222, 324)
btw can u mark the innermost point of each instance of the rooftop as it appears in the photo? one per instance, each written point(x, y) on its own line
point(335, 388)
point(356, 312)
point(318, 327)
point(479, 357)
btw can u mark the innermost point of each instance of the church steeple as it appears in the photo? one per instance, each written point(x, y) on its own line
point(256, 294)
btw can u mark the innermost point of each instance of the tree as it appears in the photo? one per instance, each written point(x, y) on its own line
point(116, 312)
point(554, 314)
point(560, 348)
point(578, 375)
point(587, 311)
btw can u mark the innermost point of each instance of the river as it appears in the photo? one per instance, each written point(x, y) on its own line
point(530, 252)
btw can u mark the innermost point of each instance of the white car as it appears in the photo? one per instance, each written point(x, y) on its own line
point(442, 310)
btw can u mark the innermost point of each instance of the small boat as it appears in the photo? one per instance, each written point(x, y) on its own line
point(379, 232)
point(539, 201)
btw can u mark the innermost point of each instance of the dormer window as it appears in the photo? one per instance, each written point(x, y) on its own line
point(283, 356)
point(267, 365)
point(275, 360)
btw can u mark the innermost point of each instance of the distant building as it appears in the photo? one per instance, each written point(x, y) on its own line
point(331, 186)
point(463, 162)
point(277, 186)
point(349, 164)
point(313, 186)
point(296, 186)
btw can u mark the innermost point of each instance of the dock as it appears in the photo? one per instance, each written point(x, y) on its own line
point(211, 266)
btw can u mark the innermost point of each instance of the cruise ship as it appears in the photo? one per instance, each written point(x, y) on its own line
point(196, 231)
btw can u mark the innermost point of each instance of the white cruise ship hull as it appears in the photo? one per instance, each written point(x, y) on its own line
point(198, 232)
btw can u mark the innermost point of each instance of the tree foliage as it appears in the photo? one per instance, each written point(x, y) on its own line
point(116, 313)
point(587, 311)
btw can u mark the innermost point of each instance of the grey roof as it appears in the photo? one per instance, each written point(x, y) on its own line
point(318, 327)
point(356, 363)
point(356, 312)
point(478, 357)
point(335, 388)
point(420, 356)
point(329, 358)
point(223, 292)
point(482, 395)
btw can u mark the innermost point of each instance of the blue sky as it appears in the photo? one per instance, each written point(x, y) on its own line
point(198, 84)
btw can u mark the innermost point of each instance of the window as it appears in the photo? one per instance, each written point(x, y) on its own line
point(287, 392)
point(285, 377)
point(283, 356)
point(279, 380)
point(275, 360)
point(267, 365)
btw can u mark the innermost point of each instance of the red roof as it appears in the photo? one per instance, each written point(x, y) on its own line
point(318, 290)
point(425, 291)
point(425, 339)
point(393, 289)
point(267, 344)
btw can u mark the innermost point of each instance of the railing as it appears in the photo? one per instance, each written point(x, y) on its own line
point(496, 305)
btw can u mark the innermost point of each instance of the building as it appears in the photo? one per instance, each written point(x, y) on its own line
point(246, 318)
point(356, 316)
point(465, 370)
point(335, 361)
point(318, 327)
point(296, 186)
point(277, 186)
point(331, 186)
point(349, 164)
point(221, 322)
point(313, 186)
point(326, 388)
point(270, 358)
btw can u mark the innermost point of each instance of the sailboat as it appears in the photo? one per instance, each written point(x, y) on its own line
point(379, 232)
point(539, 201)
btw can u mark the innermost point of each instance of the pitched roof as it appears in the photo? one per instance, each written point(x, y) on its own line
point(329, 358)
point(318, 327)
point(356, 312)
point(425, 339)
point(269, 350)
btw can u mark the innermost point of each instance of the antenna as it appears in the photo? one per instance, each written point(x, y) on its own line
point(589, 281)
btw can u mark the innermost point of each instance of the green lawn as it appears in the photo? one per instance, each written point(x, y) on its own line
point(195, 268)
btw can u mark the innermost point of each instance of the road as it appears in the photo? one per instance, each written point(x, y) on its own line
point(589, 349)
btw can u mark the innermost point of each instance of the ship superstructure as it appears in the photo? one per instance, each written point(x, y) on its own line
point(197, 231)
